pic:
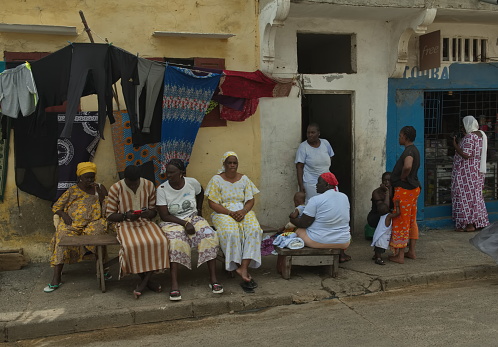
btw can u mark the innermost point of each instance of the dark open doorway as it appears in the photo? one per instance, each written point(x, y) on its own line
point(333, 113)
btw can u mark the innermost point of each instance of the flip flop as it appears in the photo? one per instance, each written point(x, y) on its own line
point(175, 295)
point(251, 284)
point(50, 288)
point(246, 289)
point(216, 288)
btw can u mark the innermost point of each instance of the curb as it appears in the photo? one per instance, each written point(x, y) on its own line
point(435, 277)
point(31, 325)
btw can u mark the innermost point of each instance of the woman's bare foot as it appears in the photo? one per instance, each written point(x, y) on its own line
point(244, 274)
point(398, 258)
point(410, 255)
point(470, 228)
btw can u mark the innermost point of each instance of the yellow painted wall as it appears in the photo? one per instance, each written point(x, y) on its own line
point(129, 25)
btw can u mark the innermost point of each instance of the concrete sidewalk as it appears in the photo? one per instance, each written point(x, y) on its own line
point(79, 305)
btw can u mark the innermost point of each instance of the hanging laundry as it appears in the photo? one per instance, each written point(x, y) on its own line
point(35, 153)
point(125, 67)
point(90, 67)
point(127, 154)
point(151, 75)
point(18, 91)
point(79, 148)
point(186, 99)
point(154, 136)
point(253, 85)
point(249, 108)
point(51, 74)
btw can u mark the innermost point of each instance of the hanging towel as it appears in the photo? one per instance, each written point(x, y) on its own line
point(18, 91)
point(186, 99)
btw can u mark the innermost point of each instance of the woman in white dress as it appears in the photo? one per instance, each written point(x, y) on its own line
point(231, 196)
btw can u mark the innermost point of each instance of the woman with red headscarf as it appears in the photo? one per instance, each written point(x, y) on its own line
point(325, 220)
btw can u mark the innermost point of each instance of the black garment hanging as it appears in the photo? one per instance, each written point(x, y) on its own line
point(90, 69)
point(124, 66)
point(35, 152)
point(51, 75)
point(139, 138)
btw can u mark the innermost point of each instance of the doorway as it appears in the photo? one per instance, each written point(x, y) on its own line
point(333, 114)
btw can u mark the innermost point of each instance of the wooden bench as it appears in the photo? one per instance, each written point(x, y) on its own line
point(93, 240)
point(328, 257)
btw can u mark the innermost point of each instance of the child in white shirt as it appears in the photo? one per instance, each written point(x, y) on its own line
point(382, 233)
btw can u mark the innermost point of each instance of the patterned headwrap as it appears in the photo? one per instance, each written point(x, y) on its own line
point(85, 167)
point(329, 177)
point(224, 157)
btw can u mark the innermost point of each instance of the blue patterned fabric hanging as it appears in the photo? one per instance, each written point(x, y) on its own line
point(185, 101)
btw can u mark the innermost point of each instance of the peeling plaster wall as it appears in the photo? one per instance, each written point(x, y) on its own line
point(129, 25)
point(281, 124)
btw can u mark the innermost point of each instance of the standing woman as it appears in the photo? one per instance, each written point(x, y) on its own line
point(231, 196)
point(179, 203)
point(404, 180)
point(80, 209)
point(467, 179)
point(313, 158)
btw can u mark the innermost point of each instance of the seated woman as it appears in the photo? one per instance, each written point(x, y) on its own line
point(80, 209)
point(381, 195)
point(179, 203)
point(231, 196)
point(325, 220)
point(144, 248)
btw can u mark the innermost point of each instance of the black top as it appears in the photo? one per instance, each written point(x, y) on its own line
point(412, 181)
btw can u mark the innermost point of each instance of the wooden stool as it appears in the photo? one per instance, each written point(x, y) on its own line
point(93, 240)
point(328, 257)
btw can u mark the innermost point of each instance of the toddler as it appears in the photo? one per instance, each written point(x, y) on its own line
point(299, 199)
point(382, 233)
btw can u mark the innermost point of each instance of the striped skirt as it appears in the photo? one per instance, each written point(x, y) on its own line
point(144, 247)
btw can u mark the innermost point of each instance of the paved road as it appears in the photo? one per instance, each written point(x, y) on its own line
point(457, 314)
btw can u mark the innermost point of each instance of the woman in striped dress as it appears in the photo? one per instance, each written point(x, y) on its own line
point(144, 247)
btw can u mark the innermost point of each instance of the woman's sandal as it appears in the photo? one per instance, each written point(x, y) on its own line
point(216, 288)
point(136, 294)
point(50, 288)
point(379, 261)
point(175, 295)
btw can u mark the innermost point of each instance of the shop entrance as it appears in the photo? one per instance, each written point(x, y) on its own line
point(333, 113)
point(443, 114)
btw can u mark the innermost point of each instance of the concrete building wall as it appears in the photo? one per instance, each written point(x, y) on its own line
point(368, 86)
point(129, 25)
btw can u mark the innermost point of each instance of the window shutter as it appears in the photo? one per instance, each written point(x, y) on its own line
point(212, 119)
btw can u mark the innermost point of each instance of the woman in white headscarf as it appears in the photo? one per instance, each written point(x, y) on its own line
point(231, 196)
point(467, 180)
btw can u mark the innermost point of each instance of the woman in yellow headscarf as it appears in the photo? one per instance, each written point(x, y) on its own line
point(231, 196)
point(80, 212)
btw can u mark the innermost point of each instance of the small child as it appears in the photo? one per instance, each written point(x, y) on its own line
point(382, 233)
point(299, 199)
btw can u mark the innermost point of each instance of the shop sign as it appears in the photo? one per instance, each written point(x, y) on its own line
point(429, 46)
point(436, 73)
